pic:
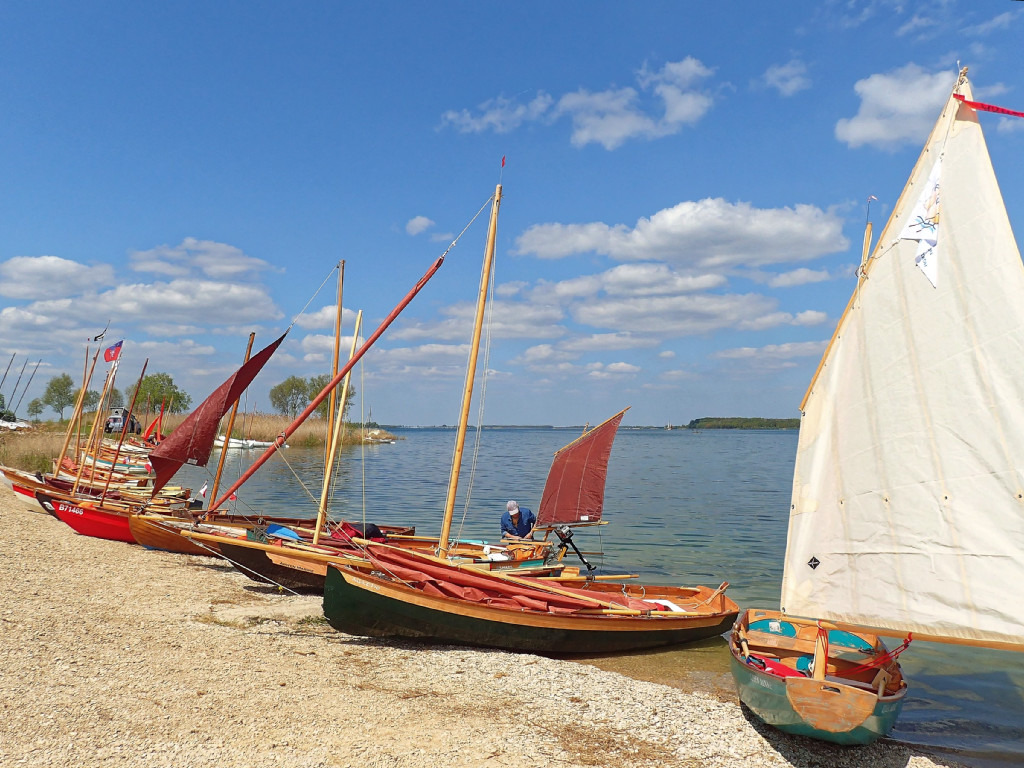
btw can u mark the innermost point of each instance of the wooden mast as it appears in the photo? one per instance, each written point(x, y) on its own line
point(335, 442)
point(332, 408)
point(467, 396)
point(125, 424)
point(230, 427)
point(279, 441)
point(93, 437)
point(76, 415)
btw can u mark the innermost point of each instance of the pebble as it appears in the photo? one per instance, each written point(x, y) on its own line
point(112, 654)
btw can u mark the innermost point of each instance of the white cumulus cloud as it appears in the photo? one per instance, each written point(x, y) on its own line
point(663, 102)
point(38, 277)
point(702, 234)
point(788, 78)
point(896, 108)
point(418, 224)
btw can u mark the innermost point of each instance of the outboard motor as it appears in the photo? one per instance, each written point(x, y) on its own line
point(564, 533)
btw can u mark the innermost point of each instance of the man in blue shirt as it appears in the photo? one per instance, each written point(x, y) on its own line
point(517, 523)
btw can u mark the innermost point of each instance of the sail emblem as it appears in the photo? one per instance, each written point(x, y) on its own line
point(923, 226)
point(814, 562)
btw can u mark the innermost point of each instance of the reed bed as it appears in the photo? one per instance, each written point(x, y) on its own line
point(34, 450)
point(312, 433)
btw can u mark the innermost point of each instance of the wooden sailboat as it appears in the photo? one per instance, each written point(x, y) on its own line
point(209, 539)
point(191, 442)
point(302, 565)
point(907, 515)
point(449, 599)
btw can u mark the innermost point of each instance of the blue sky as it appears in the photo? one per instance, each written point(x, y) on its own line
point(684, 189)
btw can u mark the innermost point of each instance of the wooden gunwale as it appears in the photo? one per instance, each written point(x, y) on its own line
point(350, 607)
point(617, 620)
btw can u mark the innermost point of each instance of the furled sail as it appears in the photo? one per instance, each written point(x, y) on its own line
point(908, 494)
point(574, 491)
point(192, 441)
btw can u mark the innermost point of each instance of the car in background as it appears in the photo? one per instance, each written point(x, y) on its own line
point(115, 422)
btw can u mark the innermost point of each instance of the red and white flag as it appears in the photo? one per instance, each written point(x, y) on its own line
point(112, 353)
point(202, 491)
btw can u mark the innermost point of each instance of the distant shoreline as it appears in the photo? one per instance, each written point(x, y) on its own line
point(695, 424)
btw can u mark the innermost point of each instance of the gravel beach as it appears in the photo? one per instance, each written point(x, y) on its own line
point(111, 654)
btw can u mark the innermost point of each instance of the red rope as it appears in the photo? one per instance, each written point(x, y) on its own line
point(883, 659)
point(987, 107)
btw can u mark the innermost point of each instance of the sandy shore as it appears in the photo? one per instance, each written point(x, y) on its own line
point(111, 654)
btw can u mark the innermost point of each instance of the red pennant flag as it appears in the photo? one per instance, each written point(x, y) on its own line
point(502, 161)
point(987, 107)
point(112, 353)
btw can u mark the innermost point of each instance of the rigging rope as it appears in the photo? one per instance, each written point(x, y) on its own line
point(488, 320)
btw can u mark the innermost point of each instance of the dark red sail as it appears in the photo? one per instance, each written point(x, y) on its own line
point(192, 441)
point(574, 492)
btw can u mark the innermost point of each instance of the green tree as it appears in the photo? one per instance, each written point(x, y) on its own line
point(317, 383)
point(290, 396)
point(116, 398)
point(35, 408)
point(157, 388)
point(92, 398)
point(59, 394)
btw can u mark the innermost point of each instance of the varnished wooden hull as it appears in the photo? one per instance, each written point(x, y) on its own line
point(827, 710)
point(258, 565)
point(358, 603)
point(152, 535)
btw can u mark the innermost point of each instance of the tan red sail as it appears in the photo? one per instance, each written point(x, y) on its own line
point(574, 491)
point(192, 441)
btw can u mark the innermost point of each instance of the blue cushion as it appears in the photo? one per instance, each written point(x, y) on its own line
point(849, 640)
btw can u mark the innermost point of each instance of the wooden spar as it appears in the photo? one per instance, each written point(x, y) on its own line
point(467, 396)
point(941, 127)
point(332, 403)
point(332, 409)
point(124, 430)
point(108, 383)
point(280, 440)
point(230, 427)
point(902, 635)
point(27, 385)
point(510, 578)
point(9, 369)
point(77, 413)
point(18, 382)
point(866, 248)
point(339, 427)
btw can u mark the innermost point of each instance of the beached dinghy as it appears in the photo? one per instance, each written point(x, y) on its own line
point(448, 599)
point(907, 515)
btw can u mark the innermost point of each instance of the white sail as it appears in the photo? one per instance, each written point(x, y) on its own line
point(908, 496)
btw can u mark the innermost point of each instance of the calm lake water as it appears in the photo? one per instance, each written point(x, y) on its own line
point(683, 508)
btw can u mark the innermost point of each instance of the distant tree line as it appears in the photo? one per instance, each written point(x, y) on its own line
point(737, 422)
point(292, 395)
point(157, 388)
point(4, 413)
